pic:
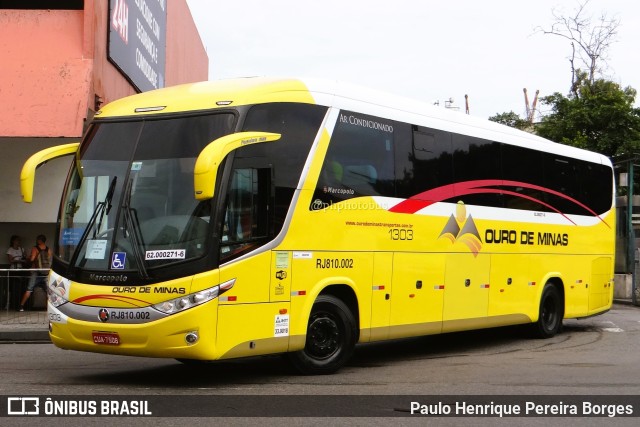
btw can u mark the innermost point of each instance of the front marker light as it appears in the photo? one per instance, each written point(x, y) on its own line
point(166, 306)
point(188, 301)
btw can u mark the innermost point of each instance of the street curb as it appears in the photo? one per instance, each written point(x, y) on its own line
point(624, 301)
point(22, 336)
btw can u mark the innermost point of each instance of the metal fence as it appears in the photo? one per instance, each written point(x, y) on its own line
point(13, 284)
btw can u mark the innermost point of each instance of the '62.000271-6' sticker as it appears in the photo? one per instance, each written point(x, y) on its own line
point(167, 254)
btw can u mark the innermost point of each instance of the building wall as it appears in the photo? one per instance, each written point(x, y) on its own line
point(53, 69)
point(108, 83)
point(187, 59)
point(44, 78)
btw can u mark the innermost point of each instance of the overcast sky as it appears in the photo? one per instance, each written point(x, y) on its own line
point(427, 50)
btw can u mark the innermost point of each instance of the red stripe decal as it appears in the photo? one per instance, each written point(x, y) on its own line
point(429, 197)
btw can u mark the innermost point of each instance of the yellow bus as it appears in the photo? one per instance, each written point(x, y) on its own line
point(255, 216)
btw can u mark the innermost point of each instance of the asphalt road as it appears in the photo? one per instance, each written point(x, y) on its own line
point(595, 356)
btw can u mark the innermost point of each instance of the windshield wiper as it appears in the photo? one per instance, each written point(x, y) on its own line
point(100, 209)
point(132, 229)
point(106, 206)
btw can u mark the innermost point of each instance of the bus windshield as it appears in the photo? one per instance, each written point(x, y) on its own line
point(128, 204)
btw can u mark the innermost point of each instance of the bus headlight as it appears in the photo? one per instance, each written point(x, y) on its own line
point(188, 301)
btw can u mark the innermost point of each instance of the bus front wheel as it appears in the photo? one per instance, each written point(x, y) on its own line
point(331, 338)
point(551, 313)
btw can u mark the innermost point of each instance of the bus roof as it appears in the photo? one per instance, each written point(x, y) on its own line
point(331, 93)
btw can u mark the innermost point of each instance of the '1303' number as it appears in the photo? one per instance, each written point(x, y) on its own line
point(400, 234)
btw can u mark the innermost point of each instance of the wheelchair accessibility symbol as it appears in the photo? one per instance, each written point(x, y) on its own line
point(118, 260)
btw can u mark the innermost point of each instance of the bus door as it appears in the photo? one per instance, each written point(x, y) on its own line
point(466, 293)
point(418, 294)
point(252, 316)
point(246, 225)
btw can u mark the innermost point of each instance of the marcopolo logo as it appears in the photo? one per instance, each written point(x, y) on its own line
point(462, 228)
point(103, 315)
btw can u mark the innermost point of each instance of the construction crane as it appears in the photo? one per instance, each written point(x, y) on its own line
point(531, 110)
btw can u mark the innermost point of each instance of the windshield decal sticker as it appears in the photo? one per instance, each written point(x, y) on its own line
point(96, 249)
point(282, 259)
point(71, 236)
point(168, 254)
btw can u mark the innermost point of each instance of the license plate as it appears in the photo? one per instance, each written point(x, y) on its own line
point(106, 338)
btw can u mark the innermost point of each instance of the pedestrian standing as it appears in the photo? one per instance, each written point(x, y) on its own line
point(40, 258)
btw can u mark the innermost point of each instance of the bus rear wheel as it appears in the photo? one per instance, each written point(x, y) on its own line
point(551, 313)
point(331, 338)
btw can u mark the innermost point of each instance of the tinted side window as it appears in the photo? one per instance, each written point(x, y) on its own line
point(477, 159)
point(561, 175)
point(588, 183)
point(523, 166)
point(298, 124)
point(541, 174)
point(359, 160)
point(596, 187)
point(424, 161)
point(245, 222)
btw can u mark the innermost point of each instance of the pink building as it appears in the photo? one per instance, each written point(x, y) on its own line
point(59, 64)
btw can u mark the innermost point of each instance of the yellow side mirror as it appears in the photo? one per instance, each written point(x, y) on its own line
point(28, 174)
point(210, 158)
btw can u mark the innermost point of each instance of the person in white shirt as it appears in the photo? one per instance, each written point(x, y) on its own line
point(15, 253)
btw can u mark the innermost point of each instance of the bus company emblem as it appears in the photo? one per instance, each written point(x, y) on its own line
point(462, 228)
point(103, 315)
point(58, 286)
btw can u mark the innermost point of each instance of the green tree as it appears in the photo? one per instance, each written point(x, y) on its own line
point(510, 119)
point(598, 116)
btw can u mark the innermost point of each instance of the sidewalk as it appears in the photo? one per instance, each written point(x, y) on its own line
point(32, 326)
point(26, 326)
point(623, 301)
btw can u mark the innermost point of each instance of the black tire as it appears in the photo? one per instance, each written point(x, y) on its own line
point(331, 337)
point(551, 313)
